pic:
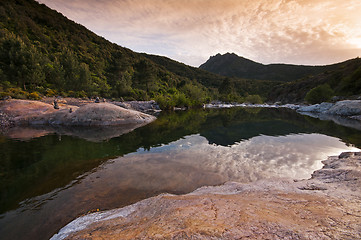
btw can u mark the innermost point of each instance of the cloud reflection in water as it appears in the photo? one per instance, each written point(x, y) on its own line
point(292, 156)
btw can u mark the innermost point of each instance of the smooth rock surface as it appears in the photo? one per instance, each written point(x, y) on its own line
point(92, 114)
point(346, 108)
point(327, 206)
point(22, 110)
point(99, 114)
point(141, 106)
point(317, 108)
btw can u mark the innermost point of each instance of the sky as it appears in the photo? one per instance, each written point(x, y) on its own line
point(309, 32)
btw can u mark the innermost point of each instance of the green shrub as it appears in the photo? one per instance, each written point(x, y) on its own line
point(50, 92)
point(81, 94)
point(321, 93)
point(4, 94)
point(34, 96)
point(169, 101)
point(253, 99)
point(17, 93)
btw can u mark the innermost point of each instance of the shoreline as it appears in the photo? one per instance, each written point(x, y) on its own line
point(23, 113)
point(345, 113)
point(139, 113)
point(328, 205)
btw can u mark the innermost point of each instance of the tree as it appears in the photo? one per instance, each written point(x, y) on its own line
point(226, 87)
point(321, 93)
point(254, 99)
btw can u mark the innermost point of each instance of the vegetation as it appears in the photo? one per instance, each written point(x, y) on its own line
point(42, 53)
point(231, 65)
point(344, 80)
point(321, 93)
point(254, 99)
point(283, 82)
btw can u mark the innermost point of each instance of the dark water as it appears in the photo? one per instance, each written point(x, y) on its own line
point(48, 180)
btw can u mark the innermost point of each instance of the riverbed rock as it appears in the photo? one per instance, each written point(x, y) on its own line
point(141, 106)
point(316, 108)
point(21, 111)
point(92, 114)
point(327, 206)
point(346, 108)
point(98, 114)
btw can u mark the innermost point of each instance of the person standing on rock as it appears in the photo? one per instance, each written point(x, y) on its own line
point(56, 106)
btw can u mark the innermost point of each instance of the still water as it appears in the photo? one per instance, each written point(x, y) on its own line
point(48, 177)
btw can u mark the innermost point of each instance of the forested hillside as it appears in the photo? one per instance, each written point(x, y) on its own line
point(44, 53)
point(344, 81)
point(224, 88)
point(289, 83)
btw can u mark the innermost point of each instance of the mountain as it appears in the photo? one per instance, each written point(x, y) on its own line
point(238, 87)
point(44, 53)
point(204, 77)
point(231, 65)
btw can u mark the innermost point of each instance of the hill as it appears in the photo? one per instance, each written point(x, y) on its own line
point(224, 88)
point(44, 53)
point(231, 65)
point(204, 77)
point(344, 79)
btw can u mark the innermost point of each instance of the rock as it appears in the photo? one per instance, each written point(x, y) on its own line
point(357, 117)
point(346, 113)
point(141, 106)
point(5, 121)
point(92, 114)
point(336, 98)
point(317, 108)
point(103, 114)
point(22, 111)
point(346, 108)
point(327, 206)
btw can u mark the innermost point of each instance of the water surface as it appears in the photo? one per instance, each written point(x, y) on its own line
point(59, 175)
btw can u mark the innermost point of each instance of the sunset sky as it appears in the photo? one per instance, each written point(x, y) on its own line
point(308, 32)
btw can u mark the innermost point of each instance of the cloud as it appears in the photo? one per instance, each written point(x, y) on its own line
point(258, 158)
point(291, 31)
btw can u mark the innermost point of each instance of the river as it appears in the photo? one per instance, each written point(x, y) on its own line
point(53, 176)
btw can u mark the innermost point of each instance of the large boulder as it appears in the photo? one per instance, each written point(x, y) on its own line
point(346, 108)
point(23, 110)
point(93, 114)
point(317, 108)
point(99, 114)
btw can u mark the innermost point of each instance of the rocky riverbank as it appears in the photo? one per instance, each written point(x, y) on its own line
point(346, 113)
point(346, 108)
point(327, 206)
point(14, 113)
point(25, 112)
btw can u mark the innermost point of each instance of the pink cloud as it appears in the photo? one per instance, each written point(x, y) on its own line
point(191, 30)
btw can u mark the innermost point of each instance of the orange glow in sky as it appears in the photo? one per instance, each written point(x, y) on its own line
point(269, 31)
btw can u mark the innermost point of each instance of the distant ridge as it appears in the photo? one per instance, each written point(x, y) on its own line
point(232, 65)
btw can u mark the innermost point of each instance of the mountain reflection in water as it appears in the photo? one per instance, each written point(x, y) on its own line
point(50, 180)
